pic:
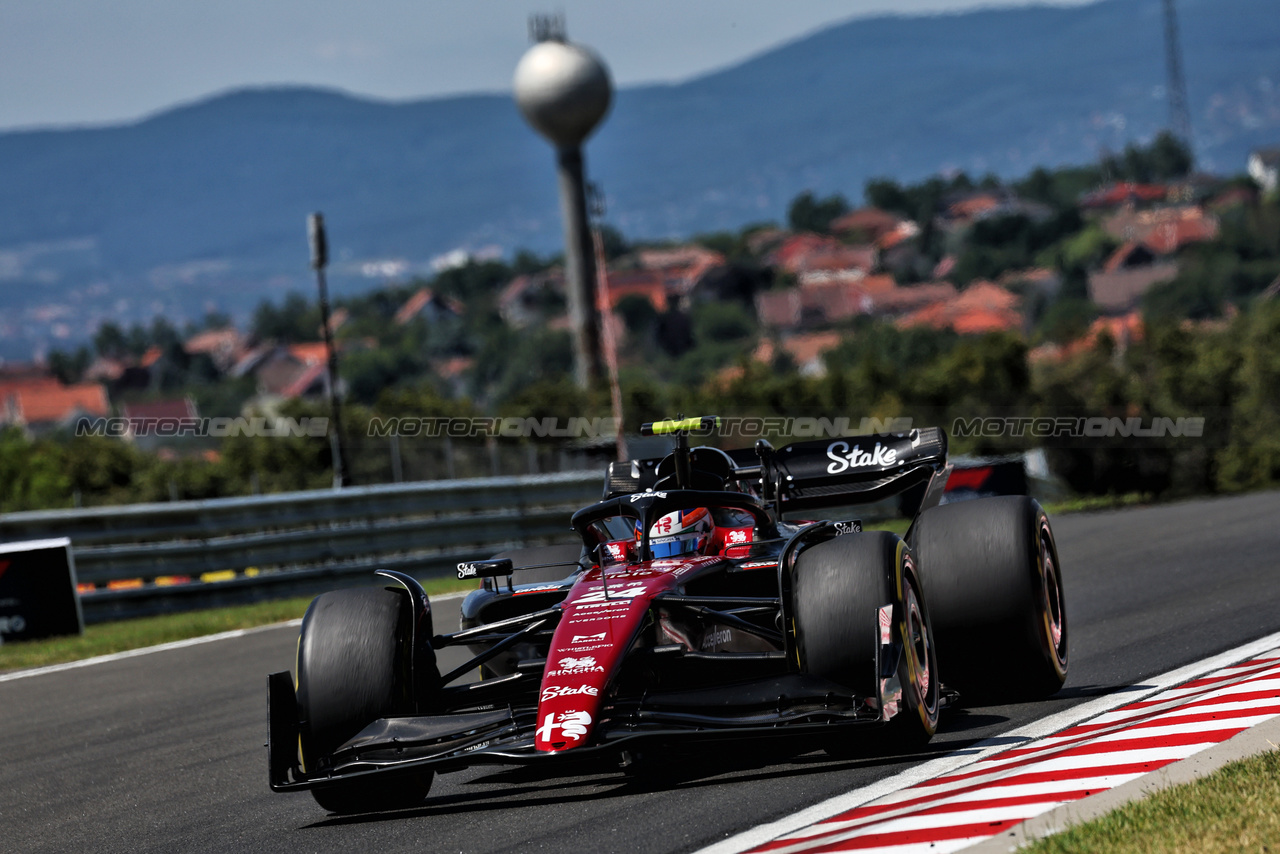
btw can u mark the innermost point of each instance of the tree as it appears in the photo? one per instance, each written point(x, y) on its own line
point(808, 213)
point(109, 341)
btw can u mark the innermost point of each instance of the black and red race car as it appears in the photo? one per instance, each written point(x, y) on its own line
point(690, 611)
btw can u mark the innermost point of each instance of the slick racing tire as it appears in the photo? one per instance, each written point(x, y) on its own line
point(353, 659)
point(838, 587)
point(563, 560)
point(993, 584)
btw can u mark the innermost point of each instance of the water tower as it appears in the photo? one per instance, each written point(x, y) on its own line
point(563, 91)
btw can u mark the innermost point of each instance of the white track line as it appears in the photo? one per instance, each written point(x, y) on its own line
point(147, 650)
point(1046, 726)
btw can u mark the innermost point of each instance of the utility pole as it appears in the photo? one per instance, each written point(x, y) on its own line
point(610, 342)
point(320, 260)
point(1179, 115)
point(563, 91)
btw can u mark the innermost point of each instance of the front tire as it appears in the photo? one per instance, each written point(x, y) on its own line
point(839, 585)
point(353, 663)
point(994, 587)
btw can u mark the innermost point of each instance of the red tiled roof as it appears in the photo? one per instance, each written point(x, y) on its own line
point(804, 252)
point(1169, 237)
point(1119, 194)
point(214, 341)
point(650, 284)
point(150, 357)
point(982, 307)
point(42, 402)
point(974, 206)
point(1124, 330)
point(872, 222)
point(413, 305)
point(452, 367)
point(310, 353)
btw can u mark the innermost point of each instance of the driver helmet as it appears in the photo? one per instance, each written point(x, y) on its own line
point(680, 533)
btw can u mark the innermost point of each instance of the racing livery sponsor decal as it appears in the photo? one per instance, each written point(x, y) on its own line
point(716, 637)
point(575, 666)
point(567, 691)
point(642, 495)
point(853, 526)
point(843, 458)
point(759, 564)
point(590, 643)
point(572, 726)
point(612, 593)
point(545, 588)
point(738, 536)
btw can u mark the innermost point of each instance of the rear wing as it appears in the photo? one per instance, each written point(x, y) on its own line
point(849, 470)
point(804, 475)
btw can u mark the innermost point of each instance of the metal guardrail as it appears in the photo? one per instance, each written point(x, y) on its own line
point(299, 543)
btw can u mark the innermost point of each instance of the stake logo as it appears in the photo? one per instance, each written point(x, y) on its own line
point(554, 691)
point(843, 459)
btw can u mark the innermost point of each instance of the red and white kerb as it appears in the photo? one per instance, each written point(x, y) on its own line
point(988, 797)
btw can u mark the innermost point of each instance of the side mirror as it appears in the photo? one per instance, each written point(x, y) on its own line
point(485, 568)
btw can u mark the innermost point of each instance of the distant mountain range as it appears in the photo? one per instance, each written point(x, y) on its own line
point(204, 205)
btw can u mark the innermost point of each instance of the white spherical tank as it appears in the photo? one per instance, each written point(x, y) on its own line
point(563, 90)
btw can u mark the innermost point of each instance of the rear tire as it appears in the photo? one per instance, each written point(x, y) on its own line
point(353, 660)
point(838, 585)
point(993, 584)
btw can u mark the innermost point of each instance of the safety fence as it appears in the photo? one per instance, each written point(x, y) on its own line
point(143, 559)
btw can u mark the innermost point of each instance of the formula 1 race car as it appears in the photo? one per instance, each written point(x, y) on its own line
point(691, 611)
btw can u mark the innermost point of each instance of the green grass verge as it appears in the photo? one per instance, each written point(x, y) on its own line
point(1237, 808)
point(106, 638)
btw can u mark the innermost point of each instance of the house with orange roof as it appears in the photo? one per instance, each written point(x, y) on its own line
point(1129, 273)
point(309, 352)
point(224, 347)
point(807, 351)
point(866, 224)
point(44, 404)
point(430, 306)
point(650, 284)
point(1124, 193)
point(807, 252)
point(1123, 330)
point(981, 307)
point(525, 298)
point(901, 300)
point(1163, 230)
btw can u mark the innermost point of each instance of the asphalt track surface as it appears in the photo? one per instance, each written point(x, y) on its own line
point(164, 752)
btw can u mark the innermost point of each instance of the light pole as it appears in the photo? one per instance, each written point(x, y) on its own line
point(563, 91)
point(320, 260)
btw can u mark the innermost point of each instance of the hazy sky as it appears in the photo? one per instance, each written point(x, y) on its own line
point(94, 61)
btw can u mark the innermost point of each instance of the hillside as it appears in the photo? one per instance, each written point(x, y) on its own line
point(203, 205)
